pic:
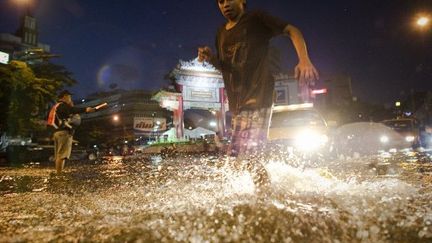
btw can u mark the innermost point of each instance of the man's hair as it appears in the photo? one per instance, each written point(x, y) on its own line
point(244, 3)
point(63, 94)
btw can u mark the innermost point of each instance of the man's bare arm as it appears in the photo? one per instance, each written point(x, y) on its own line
point(304, 70)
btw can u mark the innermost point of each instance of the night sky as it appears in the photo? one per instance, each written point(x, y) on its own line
point(135, 43)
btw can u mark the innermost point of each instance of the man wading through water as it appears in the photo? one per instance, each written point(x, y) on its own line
point(61, 118)
point(242, 45)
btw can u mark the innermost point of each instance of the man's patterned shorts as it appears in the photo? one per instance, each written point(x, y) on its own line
point(249, 131)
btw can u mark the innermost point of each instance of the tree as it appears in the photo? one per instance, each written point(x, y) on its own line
point(58, 74)
point(22, 98)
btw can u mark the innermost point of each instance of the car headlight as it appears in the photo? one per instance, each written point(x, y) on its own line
point(310, 140)
point(409, 139)
point(384, 139)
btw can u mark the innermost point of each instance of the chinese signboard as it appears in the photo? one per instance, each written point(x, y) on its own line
point(201, 94)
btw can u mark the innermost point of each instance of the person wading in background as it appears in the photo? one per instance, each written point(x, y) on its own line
point(64, 117)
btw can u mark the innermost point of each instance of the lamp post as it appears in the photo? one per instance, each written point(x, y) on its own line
point(423, 21)
point(116, 120)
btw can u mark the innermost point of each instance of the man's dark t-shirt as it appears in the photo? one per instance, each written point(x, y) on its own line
point(65, 111)
point(243, 58)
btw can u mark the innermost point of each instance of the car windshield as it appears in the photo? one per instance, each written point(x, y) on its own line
point(400, 126)
point(297, 118)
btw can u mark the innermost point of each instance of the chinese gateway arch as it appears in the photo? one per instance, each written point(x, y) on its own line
point(199, 85)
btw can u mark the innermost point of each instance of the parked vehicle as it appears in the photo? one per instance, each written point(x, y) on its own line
point(34, 152)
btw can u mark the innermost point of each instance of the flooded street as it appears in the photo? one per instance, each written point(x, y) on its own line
point(195, 198)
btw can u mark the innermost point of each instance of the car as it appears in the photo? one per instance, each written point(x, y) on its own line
point(362, 138)
point(300, 127)
point(426, 137)
point(408, 131)
point(17, 154)
point(374, 138)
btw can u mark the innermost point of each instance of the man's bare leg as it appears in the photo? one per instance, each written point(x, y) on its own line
point(59, 165)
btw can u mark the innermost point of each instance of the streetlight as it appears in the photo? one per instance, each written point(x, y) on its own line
point(213, 123)
point(423, 21)
point(22, 2)
point(25, 3)
point(116, 118)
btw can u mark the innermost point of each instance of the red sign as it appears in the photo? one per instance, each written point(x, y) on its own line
point(319, 91)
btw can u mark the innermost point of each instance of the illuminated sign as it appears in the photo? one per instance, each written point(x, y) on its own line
point(170, 104)
point(149, 124)
point(200, 94)
point(201, 105)
point(319, 91)
point(4, 57)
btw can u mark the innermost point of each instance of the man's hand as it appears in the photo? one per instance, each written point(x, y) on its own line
point(305, 71)
point(204, 54)
point(90, 109)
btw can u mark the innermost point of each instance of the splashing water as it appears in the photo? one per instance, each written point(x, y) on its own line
point(195, 199)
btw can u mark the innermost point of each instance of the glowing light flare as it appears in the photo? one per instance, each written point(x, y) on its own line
point(319, 91)
point(310, 140)
point(22, 2)
point(116, 118)
point(410, 139)
point(423, 21)
point(384, 139)
point(293, 107)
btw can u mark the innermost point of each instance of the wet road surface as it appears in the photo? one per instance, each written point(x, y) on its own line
point(385, 198)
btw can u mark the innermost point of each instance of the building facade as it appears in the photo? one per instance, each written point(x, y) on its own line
point(287, 90)
point(24, 45)
point(130, 116)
